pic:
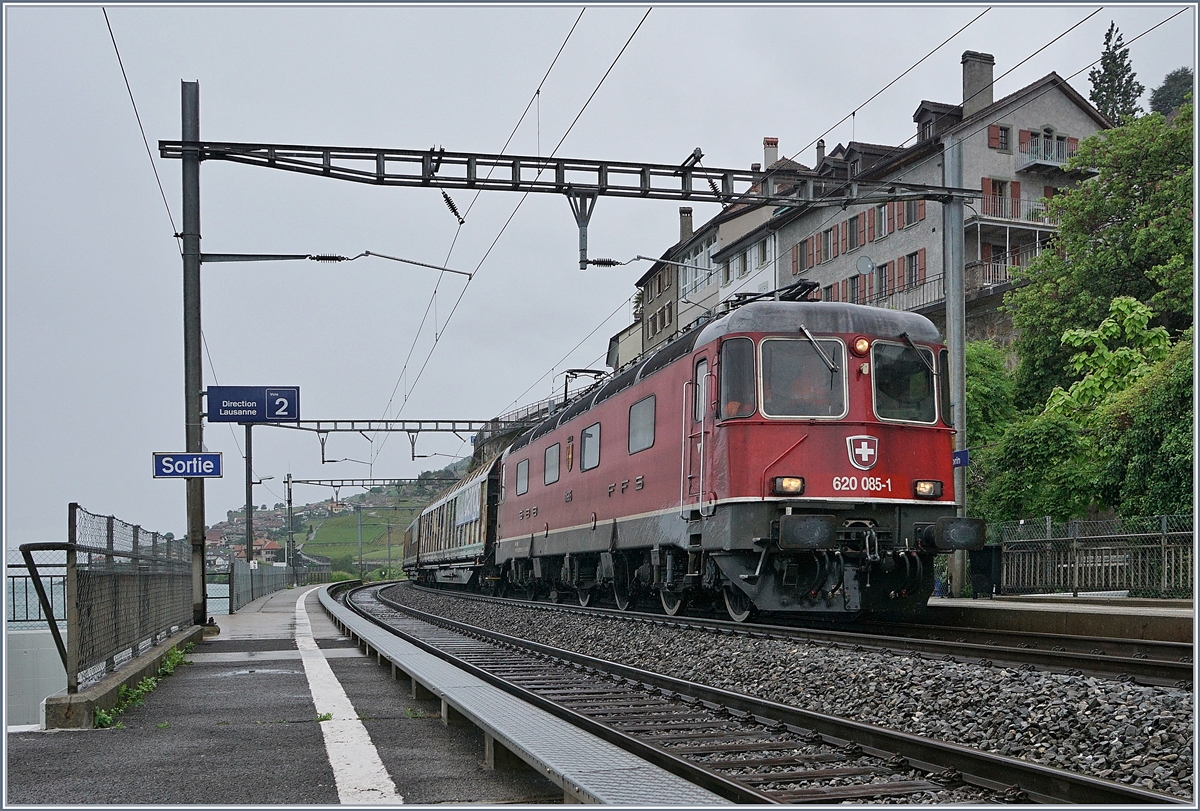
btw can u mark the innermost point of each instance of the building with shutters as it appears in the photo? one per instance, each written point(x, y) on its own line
point(891, 254)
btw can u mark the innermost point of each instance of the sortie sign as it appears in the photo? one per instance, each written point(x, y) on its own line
point(187, 465)
point(253, 403)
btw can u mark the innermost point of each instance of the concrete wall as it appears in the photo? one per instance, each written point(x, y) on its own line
point(34, 671)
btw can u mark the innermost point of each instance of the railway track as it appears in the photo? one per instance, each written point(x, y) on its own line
point(746, 749)
point(1148, 662)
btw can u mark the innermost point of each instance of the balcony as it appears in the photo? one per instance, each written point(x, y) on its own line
point(1042, 156)
point(1015, 209)
point(914, 297)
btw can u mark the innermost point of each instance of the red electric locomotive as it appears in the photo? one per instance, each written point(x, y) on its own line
point(787, 456)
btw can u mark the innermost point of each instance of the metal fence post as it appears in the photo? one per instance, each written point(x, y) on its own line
point(1162, 542)
point(1073, 534)
point(71, 598)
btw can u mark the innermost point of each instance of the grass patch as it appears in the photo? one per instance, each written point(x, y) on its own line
point(325, 716)
point(134, 696)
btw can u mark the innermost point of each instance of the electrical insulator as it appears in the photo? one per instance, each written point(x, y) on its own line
point(453, 208)
point(328, 257)
point(604, 263)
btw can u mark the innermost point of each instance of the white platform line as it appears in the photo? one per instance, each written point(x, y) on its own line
point(360, 775)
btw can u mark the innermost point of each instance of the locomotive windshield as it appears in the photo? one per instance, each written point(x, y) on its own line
point(904, 383)
point(797, 380)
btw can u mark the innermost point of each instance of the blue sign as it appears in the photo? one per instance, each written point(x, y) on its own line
point(253, 403)
point(187, 465)
point(961, 458)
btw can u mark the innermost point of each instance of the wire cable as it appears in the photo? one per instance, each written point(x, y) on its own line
point(174, 230)
point(491, 247)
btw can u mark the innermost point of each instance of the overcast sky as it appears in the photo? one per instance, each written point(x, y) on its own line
point(93, 277)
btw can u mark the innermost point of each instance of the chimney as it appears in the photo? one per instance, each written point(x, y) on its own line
point(770, 151)
point(977, 82)
point(685, 223)
point(756, 167)
point(820, 150)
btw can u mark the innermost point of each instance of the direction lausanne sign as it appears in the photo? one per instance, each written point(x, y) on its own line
point(253, 404)
point(187, 465)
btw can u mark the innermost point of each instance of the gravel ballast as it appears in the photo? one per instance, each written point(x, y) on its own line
point(1120, 731)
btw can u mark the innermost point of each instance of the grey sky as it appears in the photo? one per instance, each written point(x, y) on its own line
point(93, 292)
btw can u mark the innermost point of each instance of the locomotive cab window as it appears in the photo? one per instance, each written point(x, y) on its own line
point(641, 424)
point(904, 383)
point(589, 450)
point(700, 391)
point(522, 477)
point(737, 378)
point(797, 380)
point(551, 468)
point(944, 387)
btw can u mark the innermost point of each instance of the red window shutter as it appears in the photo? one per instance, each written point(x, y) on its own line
point(862, 228)
point(833, 243)
point(985, 252)
point(871, 227)
point(868, 284)
point(844, 231)
point(845, 289)
point(1015, 189)
point(891, 207)
point(988, 202)
point(993, 136)
point(1049, 192)
point(1024, 137)
point(900, 207)
point(1072, 145)
point(817, 248)
point(920, 210)
point(808, 249)
point(921, 266)
point(796, 260)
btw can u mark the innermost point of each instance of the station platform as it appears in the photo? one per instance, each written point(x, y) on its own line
point(1127, 618)
point(239, 726)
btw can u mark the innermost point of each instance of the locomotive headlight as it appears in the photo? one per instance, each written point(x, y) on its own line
point(861, 345)
point(927, 489)
point(788, 486)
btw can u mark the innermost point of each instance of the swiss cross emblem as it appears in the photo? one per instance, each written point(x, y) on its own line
point(863, 450)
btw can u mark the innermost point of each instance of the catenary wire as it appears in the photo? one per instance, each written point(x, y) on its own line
point(516, 208)
point(174, 230)
point(458, 230)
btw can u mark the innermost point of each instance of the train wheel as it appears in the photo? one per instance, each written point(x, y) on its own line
point(738, 605)
point(556, 596)
point(586, 596)
point(672, 603)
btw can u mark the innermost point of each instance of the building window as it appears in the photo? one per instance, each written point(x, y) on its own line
point(802, 256)
point(827, 294)
point(910, 212)
point(726, 275)
point(881, 280)
point(641, 424)
point(851, 233)
point(551, 469)
point(1002, 138)
point(828, 238)
point(667, 313)
point(854, 289)
point(926, 130)
point(881, 221)
point(589, 453)
point(762, 252)
point(853, 168)
point(744, 265)
point(522, 477)
point(910, 270)
point(654, 324)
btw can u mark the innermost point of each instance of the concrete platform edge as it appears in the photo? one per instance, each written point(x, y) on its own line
point(75, 710)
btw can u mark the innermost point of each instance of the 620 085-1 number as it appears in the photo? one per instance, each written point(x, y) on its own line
point(870, 484)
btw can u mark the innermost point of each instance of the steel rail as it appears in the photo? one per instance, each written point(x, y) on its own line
point(996, 772)
point(1137, 665)
point(704, 778)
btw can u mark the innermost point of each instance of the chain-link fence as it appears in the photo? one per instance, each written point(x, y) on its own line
point(1140, 557)
point(125, 590)
point(248, 583)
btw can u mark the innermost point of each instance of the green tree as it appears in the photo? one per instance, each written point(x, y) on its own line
point(1126, 232)
point(1172, 92)
point(1115, 88)
point(1145, 434)
point(990, 407)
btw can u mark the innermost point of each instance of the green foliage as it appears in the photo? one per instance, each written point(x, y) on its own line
point(990, 407)
point(134, 696)
point(337, 576)
point(1108, 369)
point(325, 716)
point(1115, 88)
point(1173, 91)
point(1127, 232)
point(1145, 434)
